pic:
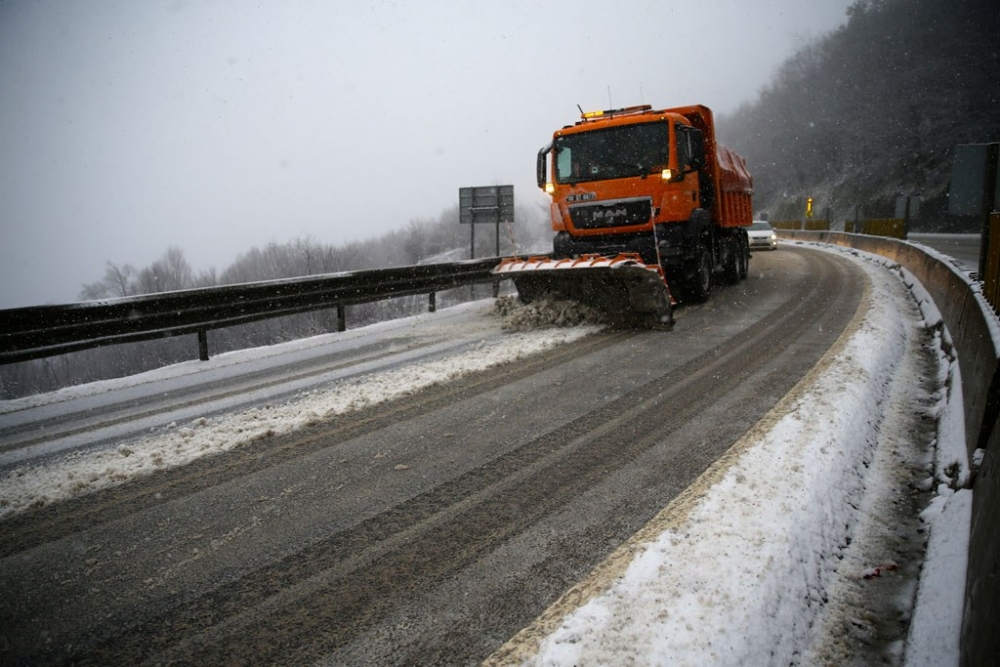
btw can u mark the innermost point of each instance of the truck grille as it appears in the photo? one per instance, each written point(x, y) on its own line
point(616, 213)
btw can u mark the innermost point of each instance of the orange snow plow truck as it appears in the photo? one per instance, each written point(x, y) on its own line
point(642, 199)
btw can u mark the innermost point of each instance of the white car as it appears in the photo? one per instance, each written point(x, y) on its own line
point(762, 236)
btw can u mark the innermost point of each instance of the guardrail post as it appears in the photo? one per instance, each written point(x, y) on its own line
point(341, 318)
point(203, 344)
point(432, 302)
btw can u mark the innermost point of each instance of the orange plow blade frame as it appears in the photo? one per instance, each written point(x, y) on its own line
point(630, 292)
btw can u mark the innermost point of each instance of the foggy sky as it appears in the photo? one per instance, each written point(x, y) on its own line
point(127, 127)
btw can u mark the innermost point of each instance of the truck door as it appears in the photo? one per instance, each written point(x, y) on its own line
point(695, 150)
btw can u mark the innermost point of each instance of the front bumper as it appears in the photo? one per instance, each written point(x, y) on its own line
point(763, 243)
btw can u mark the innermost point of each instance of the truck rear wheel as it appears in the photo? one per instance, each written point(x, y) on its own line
point(699, 286)
point(744, 257)
point(732, 252)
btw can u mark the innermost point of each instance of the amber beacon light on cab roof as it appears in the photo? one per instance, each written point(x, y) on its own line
point(642, 199)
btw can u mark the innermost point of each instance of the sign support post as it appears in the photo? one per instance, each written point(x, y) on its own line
point(486, 204)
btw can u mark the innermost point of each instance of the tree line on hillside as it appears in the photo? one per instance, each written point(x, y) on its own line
point(874, 110)
point(420, 241)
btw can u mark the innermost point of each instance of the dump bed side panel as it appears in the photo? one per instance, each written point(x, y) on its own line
point(734, 203)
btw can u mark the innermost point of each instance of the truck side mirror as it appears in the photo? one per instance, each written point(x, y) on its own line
point(541, 165)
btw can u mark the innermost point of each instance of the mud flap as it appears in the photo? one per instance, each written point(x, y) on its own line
point(631, 293)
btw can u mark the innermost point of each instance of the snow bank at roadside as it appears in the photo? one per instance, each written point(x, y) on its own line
point(744, 579)
point(935, 629)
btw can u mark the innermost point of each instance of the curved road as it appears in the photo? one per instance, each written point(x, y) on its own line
point(425, 532)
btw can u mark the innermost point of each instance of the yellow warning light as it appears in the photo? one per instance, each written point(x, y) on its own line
point(592, 114)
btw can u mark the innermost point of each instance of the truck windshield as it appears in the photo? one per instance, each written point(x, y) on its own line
point(615, 152)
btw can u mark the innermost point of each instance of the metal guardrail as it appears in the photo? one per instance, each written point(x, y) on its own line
point(42, 331)
point(891, 227)
point(813, 224)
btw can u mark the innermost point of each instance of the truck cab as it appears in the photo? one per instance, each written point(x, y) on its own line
point(645, 181)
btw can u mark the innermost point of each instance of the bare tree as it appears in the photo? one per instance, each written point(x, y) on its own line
point(169, 273)
point(118, 281)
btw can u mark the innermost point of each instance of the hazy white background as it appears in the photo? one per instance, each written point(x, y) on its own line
point(129, 126)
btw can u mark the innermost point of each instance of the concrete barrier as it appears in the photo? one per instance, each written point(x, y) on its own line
point(991, 270)
point(969, 326)
point(893, 227)
point(786, 224)
point(980, 639)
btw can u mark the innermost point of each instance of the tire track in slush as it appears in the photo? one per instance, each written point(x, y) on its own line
point(44, 524)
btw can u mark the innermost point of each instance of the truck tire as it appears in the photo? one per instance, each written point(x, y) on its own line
point(732, 254)
point(699, 286)
point(743, 260)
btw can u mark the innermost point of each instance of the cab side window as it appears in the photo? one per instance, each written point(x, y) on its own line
point(684, 148)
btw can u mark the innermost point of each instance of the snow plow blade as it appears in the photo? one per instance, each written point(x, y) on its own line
point(629, 292)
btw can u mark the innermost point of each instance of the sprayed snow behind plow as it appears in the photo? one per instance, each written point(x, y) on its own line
point(545, 312)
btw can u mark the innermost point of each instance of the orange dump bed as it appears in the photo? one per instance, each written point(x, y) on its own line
point(734, 205)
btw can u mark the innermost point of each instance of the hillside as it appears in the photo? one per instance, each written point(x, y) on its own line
point(874, 110)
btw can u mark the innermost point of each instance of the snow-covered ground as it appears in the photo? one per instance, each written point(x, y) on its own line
point(178, 443)
point(747, 572)
point(738, 570)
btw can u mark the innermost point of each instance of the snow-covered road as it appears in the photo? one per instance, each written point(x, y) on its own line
point(781, 553)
